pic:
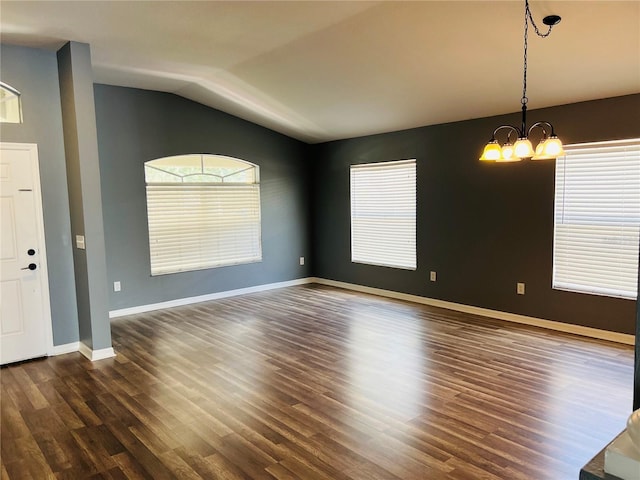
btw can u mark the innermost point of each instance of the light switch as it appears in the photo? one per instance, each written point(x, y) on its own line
point(80, 242)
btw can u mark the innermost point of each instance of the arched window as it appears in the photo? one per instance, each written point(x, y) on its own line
point(203, 212)
point(10, 104)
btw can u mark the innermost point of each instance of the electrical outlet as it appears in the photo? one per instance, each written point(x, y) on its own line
point(432, 276)
point(301, 260)
point(520, 288)
point(116, 286)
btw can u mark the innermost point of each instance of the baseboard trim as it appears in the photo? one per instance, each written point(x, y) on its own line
point(64, 349)
point(205, 298)
point(92, 355)
point(95, 355)
point(485, 312)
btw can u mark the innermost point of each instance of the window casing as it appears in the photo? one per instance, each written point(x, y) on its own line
point(383, 214)
point(203, 211)
point(597, 218)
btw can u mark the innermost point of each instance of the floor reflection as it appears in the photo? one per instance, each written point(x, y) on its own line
point(317, 382)
point(385, 364)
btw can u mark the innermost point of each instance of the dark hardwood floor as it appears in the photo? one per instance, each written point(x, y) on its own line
point(313, 382)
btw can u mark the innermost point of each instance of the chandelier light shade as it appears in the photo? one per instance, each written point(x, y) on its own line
point(492, 151)
point(549, 146)
point(507, 153)
point(523, 148)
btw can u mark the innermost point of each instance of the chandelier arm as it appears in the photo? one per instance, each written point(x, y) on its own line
point(511, 128)
point(541, 124)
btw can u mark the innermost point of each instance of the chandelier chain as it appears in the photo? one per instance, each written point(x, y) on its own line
point(524, 99)
point(550, 146)
point(528, 17)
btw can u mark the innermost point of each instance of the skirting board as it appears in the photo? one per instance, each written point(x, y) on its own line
point(205, 298)
point(485, 312)
point(92, 355)
point(64, 349)
point(95, 355)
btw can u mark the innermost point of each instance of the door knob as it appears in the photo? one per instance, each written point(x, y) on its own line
point(31, 266)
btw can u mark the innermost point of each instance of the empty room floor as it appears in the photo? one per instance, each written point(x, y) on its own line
point(314, 382)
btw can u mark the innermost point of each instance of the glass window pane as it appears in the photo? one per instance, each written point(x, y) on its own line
point(196, 220)
point(10, 104)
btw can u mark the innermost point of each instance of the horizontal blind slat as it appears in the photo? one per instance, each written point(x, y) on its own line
point(597, 218)
point(383, 214)
point(193, 227)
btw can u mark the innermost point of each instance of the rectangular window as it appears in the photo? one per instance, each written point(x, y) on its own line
point(197, 226)
point(383, 214)
point(597, 218)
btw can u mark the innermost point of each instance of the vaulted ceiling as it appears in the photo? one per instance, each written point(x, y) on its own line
point(326, 70)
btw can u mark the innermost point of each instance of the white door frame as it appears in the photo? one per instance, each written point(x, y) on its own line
point(32, 148)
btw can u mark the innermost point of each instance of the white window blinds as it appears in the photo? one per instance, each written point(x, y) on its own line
point(383, 214)
point(203, 212)
point(597, 218)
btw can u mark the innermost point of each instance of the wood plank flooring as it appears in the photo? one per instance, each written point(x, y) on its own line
point(317, 383)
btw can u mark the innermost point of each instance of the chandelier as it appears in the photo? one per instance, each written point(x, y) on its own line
point(550, 145)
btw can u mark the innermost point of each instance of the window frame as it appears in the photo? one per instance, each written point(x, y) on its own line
point(592, 247)
point(363, 249)
point(183, 234)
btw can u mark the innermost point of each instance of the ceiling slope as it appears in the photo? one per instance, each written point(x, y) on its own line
point(320, 71)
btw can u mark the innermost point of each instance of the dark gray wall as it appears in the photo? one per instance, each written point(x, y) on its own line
point(35, 74)
point(83, 173)
point(482, 226)
point(135, 126)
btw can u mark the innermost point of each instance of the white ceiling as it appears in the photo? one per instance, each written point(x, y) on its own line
point(324, 70)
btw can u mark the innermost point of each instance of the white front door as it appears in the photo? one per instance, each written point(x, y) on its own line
point(25, 315)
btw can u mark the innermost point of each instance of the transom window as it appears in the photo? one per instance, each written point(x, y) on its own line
point(203, 212)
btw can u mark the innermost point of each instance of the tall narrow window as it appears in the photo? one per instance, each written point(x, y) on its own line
point(203, 212)
point(10, 104)
point(597, 218)
point(383, 214)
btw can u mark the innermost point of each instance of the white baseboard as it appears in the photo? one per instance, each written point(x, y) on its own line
point(64, 349)
point(485, 312)
point(205, 298)
point(92, 355)
point(95, 355)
